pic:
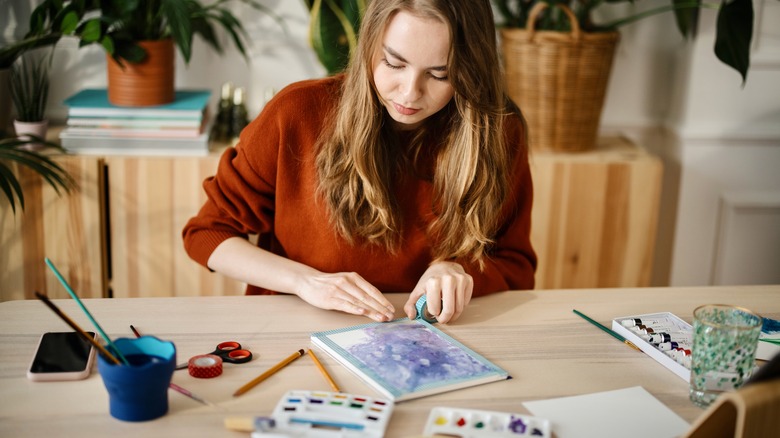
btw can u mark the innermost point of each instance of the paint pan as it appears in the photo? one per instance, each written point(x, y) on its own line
point(471, 423)
point(324, 414)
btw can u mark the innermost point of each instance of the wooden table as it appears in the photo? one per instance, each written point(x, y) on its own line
point(549, 351)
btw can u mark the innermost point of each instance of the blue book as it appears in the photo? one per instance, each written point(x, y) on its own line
point(406, 359)
point(93, 102)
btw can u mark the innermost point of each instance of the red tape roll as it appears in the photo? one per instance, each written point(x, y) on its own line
point(205, 366)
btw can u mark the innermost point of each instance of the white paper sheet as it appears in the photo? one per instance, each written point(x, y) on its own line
point(630, 412)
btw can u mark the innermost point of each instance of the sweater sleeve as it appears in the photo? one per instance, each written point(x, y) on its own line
point(240, 197)
point(511, 262)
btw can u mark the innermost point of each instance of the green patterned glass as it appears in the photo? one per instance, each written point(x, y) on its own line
point(724, 350)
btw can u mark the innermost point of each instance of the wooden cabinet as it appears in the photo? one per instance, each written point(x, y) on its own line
point(119, 233)
point(595, 215)
point(67, 229)
point(151, 199)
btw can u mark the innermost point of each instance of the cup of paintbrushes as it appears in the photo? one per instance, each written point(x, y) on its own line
point(138, 390)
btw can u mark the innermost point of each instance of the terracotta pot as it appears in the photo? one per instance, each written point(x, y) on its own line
point(147, 83)
point(36, 128)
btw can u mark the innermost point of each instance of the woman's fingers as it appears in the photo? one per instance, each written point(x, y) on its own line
point(350, 293)
point(448, 289)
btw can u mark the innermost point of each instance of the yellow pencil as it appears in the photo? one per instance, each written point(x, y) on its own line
point(324, 371)
point(268, 373)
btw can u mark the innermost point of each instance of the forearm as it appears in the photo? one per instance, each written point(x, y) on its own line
point(240, 259)
point(346, 291)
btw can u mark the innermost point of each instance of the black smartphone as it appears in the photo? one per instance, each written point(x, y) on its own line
point(62, 356)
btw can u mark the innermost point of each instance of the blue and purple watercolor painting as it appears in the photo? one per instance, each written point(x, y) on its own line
point(409, 355)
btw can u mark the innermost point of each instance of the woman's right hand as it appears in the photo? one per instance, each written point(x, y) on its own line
point(347, 292)
point(344, 291)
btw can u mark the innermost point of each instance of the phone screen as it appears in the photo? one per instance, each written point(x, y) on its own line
point(62, 352)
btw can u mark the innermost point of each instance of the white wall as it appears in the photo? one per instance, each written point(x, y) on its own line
point(277, 56)
point(728, 216)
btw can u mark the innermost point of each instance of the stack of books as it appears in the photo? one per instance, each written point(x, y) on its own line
point(95, 126)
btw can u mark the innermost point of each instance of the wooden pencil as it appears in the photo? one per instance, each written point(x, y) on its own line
point(269, 373)
point(324, 371)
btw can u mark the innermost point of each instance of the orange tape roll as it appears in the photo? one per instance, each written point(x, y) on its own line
point(205, 366)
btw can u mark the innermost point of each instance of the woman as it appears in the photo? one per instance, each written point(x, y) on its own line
point(407, 173)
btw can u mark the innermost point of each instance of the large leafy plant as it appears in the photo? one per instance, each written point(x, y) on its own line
point(733, 33)
point(333, 29)
point(118, 25)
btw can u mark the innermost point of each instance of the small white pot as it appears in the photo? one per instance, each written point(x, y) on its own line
point(35, 128)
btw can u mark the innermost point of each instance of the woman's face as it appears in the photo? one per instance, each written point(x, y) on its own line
point(410, 69)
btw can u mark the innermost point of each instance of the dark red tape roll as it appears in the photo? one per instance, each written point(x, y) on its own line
point(205, 366)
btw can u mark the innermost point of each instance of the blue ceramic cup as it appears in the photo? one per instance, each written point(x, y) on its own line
point(139, 391)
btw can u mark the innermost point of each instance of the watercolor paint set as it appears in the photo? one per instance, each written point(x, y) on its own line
point(322, 414)
point(471, 423)
point(663, 336)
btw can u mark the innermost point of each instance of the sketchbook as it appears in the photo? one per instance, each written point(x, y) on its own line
point(406, 359)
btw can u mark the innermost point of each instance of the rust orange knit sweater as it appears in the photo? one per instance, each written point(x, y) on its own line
point(266, 185)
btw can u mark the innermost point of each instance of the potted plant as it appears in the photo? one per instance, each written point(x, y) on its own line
point(29, 92)
point(333, 28)
point(558, 60)
point(14, 151)
point(8, 55)
point(139, 38)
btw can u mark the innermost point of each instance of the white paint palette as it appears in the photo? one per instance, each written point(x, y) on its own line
point(322, 414)
point(471, 423)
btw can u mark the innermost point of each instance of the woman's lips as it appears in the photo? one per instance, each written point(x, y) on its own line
point(404, 110)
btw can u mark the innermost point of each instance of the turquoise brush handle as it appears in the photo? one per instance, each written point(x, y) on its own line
point(89, 315)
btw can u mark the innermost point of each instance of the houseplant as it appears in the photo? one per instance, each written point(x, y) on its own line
point(333, 29)
point(131, 32)
point(8, 55)
point(12, 150)
point(29, 91)
point(558, 60)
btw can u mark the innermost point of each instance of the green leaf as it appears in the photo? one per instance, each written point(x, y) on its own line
point(51, 172)
point(178, 16)
point(733, 35)
point(108, 44)
point(687, 18)
point(129, 51)
point(11, 186)
point(332, 35)
point(91, 31)
point(69, 22)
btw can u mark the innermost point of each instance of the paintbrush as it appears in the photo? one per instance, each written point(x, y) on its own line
point(83, 308)
point(607, 330)
point(76, 327)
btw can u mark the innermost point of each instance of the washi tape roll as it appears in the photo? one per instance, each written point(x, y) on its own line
point(205, 366)
point(422, 310)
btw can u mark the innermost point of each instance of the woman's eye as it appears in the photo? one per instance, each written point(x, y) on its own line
point(393, 66)
point(440, 78)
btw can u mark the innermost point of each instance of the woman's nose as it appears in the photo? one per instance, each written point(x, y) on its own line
point(411, 87)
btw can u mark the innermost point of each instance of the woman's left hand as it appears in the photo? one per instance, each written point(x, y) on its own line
point(448, 289)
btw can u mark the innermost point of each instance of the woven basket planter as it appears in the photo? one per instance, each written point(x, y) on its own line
point(559, 80)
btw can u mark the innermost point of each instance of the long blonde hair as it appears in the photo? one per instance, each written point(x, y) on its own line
point(359, 160)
